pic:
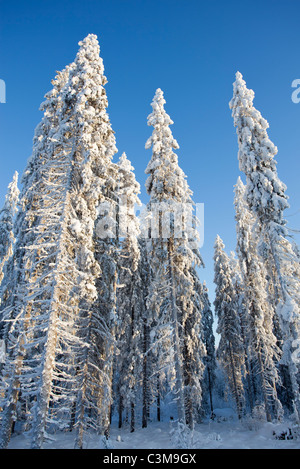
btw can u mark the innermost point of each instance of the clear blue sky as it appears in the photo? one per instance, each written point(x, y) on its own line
point(191, 49)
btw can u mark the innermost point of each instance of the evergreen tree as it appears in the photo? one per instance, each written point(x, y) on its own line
point(15, 304)
point(7, 241)
point(71, 161)
point(261, 343)
point(230, 351)
point(7, 215)
point(174, 256)
point(94, 147)
point(129, 297)
point(209, 359)
point(194, 350)
point(250, 359)
point(145, 276)
point(266, 198)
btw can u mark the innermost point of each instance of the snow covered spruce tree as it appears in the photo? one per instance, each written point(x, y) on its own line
point(72, 154)
point(174, 256)
point(7, 216)
point(15, 299)
point(145, 276)
point(266, 198)
point(7, 241)
point(93, 147)
point(194, 351)
point(209, 343)
point(240, 305)
point(230, 350)
point(129, 295)
point(261, 346)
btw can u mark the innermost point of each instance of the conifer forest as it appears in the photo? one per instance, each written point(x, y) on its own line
point(106, 321)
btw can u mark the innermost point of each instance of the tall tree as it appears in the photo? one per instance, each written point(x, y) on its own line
point(145, 275)
point(93, 147)
point(209, 359)
point(78, 147)
point(7, 219)
point(267, 200)
point(194, 350)
point(7, 241)
point(174, 252)
point(262, 344)
point(15, 304)
point(230, 349)
point(7, 215)
point(129, 296)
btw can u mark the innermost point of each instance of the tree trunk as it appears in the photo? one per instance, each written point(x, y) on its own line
point(264, 386)
point(132, 418)
point(110, 352)
point(158, 399)
point(145, 415)
point(235, 386)
point(120, 410)
point(210, 390)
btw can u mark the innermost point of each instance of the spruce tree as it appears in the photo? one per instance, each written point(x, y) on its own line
point(209, 359)
point(259, 318)
point(194, 350)
point(7, 220)
point(230, 351)
point(174, 255)
point(266, 197)
point(71, 163)
point(145, 276)
point(15, 304)
point(129, 294)
point(7, 216)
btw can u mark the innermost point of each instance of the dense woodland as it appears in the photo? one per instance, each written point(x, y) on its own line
point(104, 314)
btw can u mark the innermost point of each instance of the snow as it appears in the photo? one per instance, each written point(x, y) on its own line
point(2, 351)
point(224, 432)
point(75, 226)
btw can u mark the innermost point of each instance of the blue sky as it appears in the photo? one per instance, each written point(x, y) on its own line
point(191, 49)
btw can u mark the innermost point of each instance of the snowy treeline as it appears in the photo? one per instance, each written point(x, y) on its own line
point(103, 312)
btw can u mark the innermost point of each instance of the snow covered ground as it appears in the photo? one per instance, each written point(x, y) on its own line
point(225, 432)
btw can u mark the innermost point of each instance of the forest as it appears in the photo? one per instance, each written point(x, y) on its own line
point(104, 314)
